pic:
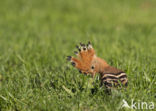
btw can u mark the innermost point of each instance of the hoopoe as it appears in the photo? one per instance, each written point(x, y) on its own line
point(88, 63)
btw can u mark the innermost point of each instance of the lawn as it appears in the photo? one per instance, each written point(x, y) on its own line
point(37, 35)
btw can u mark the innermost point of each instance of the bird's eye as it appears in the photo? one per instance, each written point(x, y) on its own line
point(92, 67)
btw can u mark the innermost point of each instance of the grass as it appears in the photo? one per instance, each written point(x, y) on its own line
point(36, 36)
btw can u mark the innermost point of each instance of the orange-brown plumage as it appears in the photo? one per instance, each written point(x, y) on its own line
point(88, 63)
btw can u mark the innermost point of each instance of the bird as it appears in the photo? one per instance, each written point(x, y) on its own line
point(88, 63)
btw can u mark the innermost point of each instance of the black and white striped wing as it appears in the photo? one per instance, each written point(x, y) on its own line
point(114, 79)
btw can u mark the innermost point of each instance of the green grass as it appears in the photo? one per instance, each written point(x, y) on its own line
point(37, 35)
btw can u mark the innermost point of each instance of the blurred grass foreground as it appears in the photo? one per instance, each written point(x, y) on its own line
point(37, 35)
